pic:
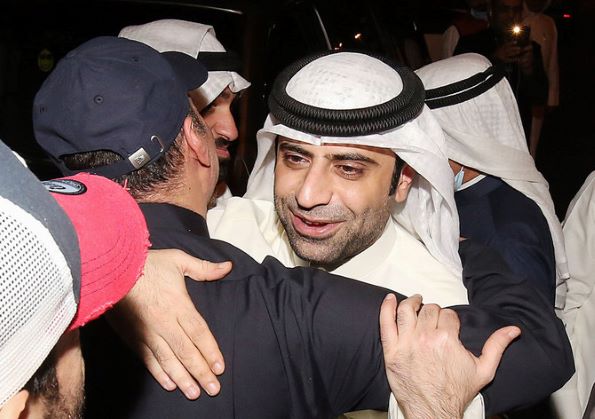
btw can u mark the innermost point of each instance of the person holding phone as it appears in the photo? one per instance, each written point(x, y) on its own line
point(507, 43)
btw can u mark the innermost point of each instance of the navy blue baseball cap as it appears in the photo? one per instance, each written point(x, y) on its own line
point(118, 95)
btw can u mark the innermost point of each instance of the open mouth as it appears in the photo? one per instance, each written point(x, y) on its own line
point(223, 153)
point(222, 145)
point(315, 229)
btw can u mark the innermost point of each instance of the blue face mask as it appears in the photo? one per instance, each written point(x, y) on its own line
point(459, 179)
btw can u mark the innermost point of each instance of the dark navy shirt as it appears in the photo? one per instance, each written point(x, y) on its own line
point(301, 343)
point(495, 214)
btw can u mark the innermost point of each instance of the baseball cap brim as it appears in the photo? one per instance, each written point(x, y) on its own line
point(113, 240)
point(189, 71)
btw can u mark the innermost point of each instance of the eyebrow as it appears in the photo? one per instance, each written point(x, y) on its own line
point(295, 148)
point(352, 157)
point(349, 156)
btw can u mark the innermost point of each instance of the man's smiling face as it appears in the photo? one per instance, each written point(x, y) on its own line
point(333, 200)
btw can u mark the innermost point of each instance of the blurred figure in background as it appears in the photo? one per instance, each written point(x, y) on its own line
point(506, 43)
point(545, 33)
point(465, 23)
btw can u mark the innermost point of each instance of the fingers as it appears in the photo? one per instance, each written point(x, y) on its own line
point(199, 333)
point(192, 365)
point(156, 371)
point(449, 320)
point(388, 325)
point(172, 367)
point(407, 314)
point(427, 319)
point(159, 320)
point(195, 350)
point(492, 352)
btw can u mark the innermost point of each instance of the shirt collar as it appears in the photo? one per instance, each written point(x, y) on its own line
point(172, 217)
point(481, 188)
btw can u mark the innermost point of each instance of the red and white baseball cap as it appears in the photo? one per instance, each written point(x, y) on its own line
point(83, 245)
point(112, 236)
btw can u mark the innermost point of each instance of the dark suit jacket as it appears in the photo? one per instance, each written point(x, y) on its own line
point(493, 213)
point(301, 343)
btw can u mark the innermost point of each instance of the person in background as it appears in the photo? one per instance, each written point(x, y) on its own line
point(215, 98)
point(470, 21)
point(545, 33)
point(506, 43)
point(502, 199)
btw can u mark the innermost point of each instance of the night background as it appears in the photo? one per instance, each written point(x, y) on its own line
point(34, 35)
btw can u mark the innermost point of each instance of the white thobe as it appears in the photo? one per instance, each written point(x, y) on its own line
point(579, 313)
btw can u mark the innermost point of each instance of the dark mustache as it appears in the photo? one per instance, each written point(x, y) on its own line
point(221, 142)
point(329, 213)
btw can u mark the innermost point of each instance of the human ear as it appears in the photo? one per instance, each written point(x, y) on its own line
point(13, 408)
point(404, 183)
point(197, 143)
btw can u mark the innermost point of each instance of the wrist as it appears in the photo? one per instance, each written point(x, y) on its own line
point(433, 409)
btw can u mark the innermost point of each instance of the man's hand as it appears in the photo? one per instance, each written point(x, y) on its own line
point(508, 52)
point(159, 322)
point(429, 371)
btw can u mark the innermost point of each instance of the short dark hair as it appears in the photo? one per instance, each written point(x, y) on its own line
point(161, 174)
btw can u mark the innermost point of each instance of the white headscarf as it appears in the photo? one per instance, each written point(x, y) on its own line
point(189, 38)
point(350, 81)
point(486, 133)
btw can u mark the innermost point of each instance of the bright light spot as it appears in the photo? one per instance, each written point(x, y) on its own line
point(516, 29)
point(566, 15)
point(358, 35)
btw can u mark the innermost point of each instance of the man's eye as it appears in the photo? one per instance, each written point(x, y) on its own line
point(294, 159)
point(208, 109)
point(350, 172)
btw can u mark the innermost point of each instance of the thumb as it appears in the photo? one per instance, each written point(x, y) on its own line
point(388, 325)
point(492, 351)
point(201, 270)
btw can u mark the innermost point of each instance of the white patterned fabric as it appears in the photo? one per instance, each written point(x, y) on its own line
point(485, 133)
point(189, 38)
point(37, 299)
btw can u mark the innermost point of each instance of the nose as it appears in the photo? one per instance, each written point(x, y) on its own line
point(315, 189)
point(226, 127)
